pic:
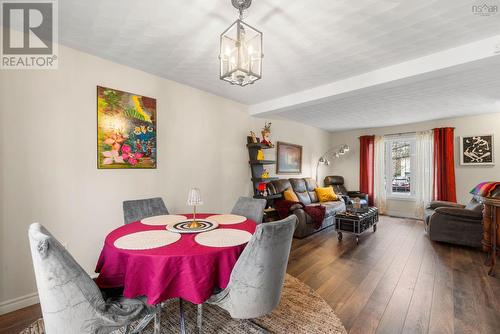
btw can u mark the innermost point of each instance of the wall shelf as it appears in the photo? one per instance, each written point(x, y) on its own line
point(267, 179)
point(262, 162)
point(258, 146)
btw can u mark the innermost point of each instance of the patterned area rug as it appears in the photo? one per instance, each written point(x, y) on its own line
point(301, 311)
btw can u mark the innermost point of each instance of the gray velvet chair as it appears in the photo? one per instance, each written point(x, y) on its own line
point(252, 208)
point(256, 281)
point(71, 302)
point(138, 209)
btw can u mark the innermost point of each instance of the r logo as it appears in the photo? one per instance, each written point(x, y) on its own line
point(28, 28)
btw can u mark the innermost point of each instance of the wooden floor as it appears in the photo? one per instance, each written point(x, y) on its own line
point(398, 281)
point(394, 281)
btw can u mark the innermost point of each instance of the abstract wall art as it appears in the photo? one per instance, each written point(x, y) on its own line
point(289, 158)
point(126, 130)
point(477, 150)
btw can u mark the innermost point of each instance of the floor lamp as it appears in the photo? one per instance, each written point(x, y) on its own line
point(335, 152)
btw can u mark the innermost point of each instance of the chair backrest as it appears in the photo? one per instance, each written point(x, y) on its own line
point(252, 208)
point(337, 182)
point(257, 278)
point(69, 298)
point(138, 209)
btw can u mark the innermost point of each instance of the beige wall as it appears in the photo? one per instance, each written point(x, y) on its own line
point(48, 158)
point(466, 176)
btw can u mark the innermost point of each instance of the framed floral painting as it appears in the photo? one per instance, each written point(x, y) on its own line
point(126, 130)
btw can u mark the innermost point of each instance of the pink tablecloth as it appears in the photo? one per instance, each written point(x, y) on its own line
point(183, 269)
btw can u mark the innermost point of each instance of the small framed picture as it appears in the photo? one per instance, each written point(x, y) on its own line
point(289, 158)
point(477, 150)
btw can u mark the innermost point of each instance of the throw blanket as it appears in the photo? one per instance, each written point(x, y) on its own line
point(317, 212)
point(485, 189)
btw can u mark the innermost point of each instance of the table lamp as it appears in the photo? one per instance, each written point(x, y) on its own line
point(194, 199)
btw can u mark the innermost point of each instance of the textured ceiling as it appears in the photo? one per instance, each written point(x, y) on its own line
point(468, 90)
point(306, 43)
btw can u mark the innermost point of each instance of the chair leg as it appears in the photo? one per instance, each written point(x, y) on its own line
point(258, 326)
point(157, 322)
point(143, 323)
point(200, 318)
point(181, 311)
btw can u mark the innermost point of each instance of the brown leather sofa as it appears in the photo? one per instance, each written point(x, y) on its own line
point(304, 189)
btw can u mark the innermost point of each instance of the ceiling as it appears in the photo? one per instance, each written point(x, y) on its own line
point(467, 90)
point(306, 43)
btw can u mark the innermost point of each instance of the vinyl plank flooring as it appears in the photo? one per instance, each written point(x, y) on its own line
point(395, 281)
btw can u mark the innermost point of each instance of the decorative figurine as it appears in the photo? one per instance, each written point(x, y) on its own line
point(260, 155)
point(265, 174)
point(254, 138)
point(266, 132)
point(262, 189)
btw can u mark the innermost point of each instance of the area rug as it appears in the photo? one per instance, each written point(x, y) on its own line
point(301, 310)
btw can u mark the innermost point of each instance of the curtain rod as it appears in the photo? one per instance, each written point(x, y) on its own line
point(408, 132)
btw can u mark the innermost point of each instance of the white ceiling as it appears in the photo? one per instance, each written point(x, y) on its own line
point(467, 90)
point(307, 43)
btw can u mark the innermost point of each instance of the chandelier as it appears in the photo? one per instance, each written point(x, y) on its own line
point(240, 52)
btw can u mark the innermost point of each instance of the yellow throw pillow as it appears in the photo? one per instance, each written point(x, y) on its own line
point(326, 194)
point(289, 195)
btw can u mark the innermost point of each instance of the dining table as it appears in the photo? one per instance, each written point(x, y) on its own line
point(189, 267)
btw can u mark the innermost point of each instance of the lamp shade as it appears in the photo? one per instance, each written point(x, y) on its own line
point(194, 197)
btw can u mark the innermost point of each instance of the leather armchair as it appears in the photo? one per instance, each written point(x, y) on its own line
point(455, 223)
point(337, 182)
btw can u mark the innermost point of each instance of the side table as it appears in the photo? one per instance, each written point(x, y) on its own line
point(492, 205)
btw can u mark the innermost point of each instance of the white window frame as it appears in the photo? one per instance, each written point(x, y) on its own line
point(411, 138)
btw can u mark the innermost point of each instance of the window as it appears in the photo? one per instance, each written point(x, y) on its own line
point(400, 158)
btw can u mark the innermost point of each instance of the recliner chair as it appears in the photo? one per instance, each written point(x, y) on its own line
point(337, 182)
point(455, 223)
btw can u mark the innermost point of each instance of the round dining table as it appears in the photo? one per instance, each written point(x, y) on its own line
point(183, 269)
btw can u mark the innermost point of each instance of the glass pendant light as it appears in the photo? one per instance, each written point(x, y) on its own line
point(241, 50)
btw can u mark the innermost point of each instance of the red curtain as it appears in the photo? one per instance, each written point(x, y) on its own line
point(366, 165)
point(444, 165)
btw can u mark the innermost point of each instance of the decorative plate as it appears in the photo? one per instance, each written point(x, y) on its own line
point(183, 226)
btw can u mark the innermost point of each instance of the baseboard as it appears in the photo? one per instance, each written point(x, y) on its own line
point(18, 303)
point(400, 214)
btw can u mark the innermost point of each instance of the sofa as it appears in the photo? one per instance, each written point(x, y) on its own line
point(304, 189)
point(337, 182)
point(455, 223)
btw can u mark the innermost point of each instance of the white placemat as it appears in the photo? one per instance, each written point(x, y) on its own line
point(146, 240)
point(227, 219)
point(163, 220)
point(225, 237)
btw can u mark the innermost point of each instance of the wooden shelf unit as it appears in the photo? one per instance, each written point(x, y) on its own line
point(257, 167)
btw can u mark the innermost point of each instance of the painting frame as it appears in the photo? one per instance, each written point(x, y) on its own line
point(282, 151)
point(145, 115)
point(465, 148)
